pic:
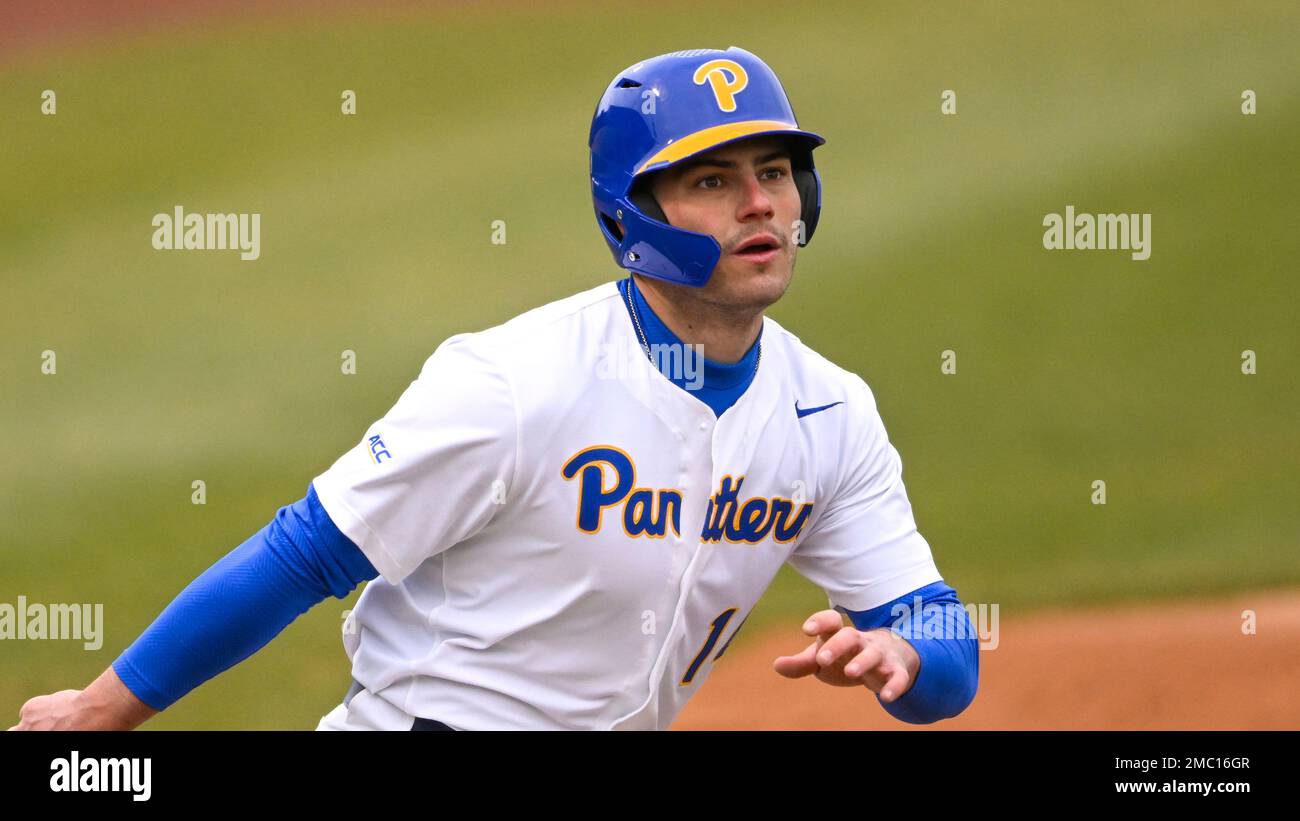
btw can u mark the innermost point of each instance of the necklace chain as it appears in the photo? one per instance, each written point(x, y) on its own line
point(636, 320)
point(640, 332)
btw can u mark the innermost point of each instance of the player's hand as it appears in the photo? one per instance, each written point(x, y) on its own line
point(847, 657)
point(106, 704)
point(56, 711)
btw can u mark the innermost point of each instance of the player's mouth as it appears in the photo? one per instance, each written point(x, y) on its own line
point(758, 249)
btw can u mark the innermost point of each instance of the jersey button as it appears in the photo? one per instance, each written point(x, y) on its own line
point(704, 424)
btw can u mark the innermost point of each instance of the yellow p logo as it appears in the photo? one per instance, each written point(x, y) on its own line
point(724, 89)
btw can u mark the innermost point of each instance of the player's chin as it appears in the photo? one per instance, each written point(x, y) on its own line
point(757, 283)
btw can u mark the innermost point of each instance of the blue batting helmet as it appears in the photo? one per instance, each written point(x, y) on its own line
point(664, 110)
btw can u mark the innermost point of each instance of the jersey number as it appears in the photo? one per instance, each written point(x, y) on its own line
point(719, 624)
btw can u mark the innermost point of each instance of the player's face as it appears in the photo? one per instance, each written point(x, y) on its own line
point(734, 193)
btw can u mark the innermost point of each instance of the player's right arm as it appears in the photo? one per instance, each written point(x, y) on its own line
point(432, 472)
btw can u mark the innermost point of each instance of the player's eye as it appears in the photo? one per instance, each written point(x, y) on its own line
point(714, 181)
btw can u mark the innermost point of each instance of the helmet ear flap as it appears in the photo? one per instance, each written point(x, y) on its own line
point(809, 186)
point(643, 198)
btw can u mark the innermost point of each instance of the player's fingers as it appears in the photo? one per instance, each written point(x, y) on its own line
point(823, 621)
point(897, 684)
point(25, 713)
point(800, 664)
point(869, 659)
point(839, 647)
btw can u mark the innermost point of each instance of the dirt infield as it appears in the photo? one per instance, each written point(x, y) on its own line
point(1182, 665)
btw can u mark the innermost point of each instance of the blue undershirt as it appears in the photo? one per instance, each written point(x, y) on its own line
point(716, 384)
point(248, 597)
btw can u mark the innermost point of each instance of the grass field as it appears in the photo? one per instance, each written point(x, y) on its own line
point(1072, 366)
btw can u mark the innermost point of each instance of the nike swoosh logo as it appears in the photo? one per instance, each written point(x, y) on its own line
point(802, 412)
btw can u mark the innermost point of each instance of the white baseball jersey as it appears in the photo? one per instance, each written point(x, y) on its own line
point(563, 544)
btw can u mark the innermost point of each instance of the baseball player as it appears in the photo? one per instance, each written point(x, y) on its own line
point(565, 519)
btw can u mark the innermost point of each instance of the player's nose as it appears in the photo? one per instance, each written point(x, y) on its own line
point(756, 201)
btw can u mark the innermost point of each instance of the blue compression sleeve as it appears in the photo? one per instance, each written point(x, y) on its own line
point(242, 602)
point(950, 664)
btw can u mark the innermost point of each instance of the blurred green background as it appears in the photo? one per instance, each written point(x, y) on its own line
point(376, 232)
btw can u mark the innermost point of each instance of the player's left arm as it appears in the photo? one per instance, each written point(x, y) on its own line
point(865, 551)
point(922, 661)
